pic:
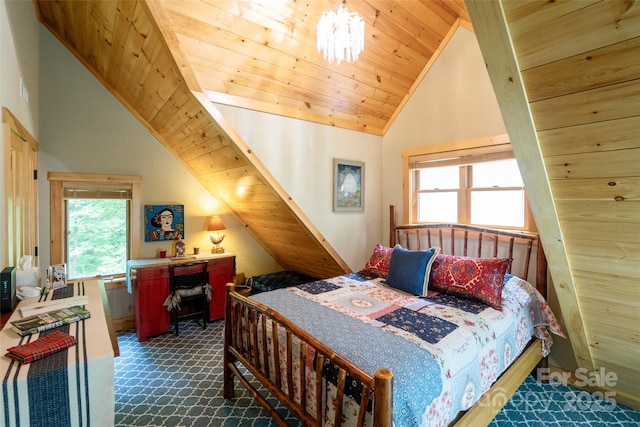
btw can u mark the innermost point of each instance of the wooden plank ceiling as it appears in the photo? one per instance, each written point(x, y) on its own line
point(567, 78)
point(167, 60)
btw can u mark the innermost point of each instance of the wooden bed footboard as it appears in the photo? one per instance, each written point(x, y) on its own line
point(260, 339)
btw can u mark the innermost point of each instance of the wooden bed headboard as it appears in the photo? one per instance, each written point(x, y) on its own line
point(523, 248)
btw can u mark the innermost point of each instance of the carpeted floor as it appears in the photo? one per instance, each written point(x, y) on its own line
point(177, 381)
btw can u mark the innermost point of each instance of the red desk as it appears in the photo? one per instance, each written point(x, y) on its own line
point(148, 281)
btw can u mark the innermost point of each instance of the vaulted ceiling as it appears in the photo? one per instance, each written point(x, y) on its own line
point(566, 76)
point(166, 61)
point(263, 55)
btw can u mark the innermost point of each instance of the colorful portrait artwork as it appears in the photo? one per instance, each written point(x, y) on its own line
point(163, 222)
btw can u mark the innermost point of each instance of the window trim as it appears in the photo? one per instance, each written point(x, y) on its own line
point(457, 153)
point(59, 181)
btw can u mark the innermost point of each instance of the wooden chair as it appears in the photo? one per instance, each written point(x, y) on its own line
point(189, 282)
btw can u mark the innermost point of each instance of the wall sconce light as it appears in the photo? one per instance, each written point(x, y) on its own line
point(216, 224)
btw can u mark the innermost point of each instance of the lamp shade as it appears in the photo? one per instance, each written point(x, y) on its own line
point(215, 223)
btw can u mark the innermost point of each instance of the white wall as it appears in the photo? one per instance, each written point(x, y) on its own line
point(19, 31)
point(454, 102)
point(300, 156)
point(84, 129)
point(18, 59)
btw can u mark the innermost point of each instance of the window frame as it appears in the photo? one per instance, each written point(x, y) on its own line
point(59, 181)
point(459, 153)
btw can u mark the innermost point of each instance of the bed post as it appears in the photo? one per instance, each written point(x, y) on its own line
point(228, 380)
point(383, 398)
point(392, 225)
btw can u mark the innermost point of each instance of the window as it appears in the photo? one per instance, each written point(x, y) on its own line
point(92, 233)
point(96, 229)
point(470, 184)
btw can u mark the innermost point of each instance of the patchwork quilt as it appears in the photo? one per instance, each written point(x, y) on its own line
point(445, 351)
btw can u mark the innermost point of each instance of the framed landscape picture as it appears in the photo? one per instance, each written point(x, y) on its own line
point(163, 222)
point(348, 186)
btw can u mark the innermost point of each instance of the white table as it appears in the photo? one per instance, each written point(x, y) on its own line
point(71, 388)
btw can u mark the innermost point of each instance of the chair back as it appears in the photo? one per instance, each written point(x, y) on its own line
point(188, 276)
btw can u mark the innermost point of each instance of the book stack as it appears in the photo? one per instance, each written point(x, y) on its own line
point(42, 347)
point(49, 320)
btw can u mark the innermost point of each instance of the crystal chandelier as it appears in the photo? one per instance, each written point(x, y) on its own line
point(340, 35)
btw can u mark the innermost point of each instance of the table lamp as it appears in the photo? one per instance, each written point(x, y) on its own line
point(215, 224)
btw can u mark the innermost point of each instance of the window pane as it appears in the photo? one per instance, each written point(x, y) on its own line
point(438, 207)
point(500, 173)
point(96, 237)
point(444, 177)
point(497, 208)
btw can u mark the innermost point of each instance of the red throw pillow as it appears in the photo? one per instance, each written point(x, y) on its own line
point(378, 264)
point(477, 278)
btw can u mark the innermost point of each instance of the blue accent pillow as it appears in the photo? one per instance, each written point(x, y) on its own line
point(409, 270)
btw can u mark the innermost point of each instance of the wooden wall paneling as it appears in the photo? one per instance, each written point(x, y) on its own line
point(617, 134)
point(589, 106)
point(620, 259)
point(608, 341)
point(605, 164)
point(608, 24)
point(525, 15)
point(615, 251)
point(597, 68)
point(601, 231)
point(621, 212)
point(495, 42)
point(618, 288)
point(586, 92)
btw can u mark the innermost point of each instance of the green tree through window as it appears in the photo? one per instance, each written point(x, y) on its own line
point(97, 231)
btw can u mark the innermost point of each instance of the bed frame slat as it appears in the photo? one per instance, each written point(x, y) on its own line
point(276, 355)
point(511, 242)
point(265, 355)
point(319, 368)
point(254, 346)
point(466, 241)
point(342, 376)
point(289, 363)
point(302, 357)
